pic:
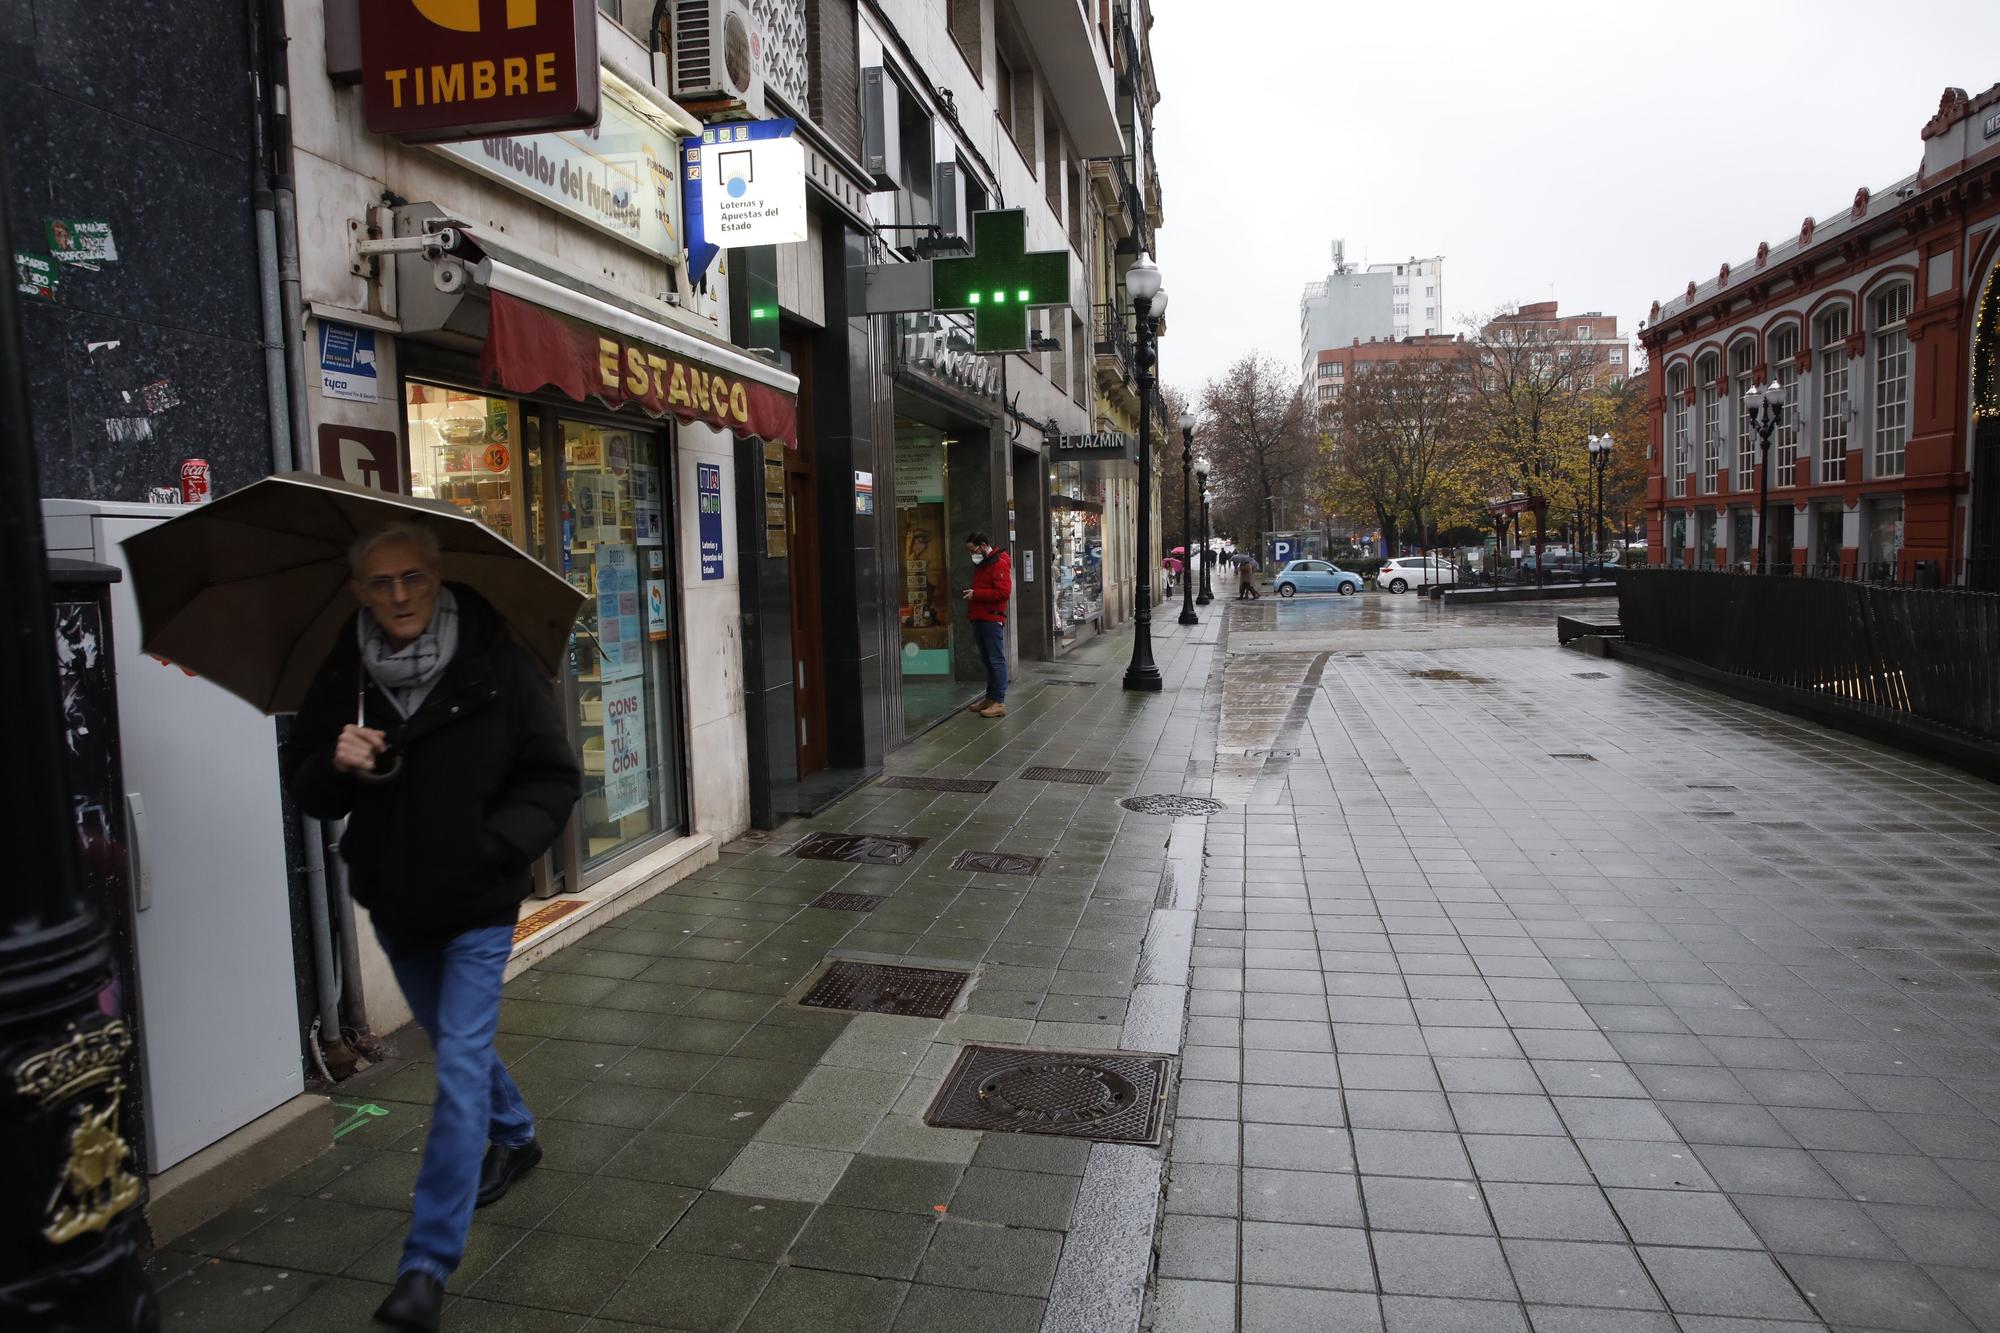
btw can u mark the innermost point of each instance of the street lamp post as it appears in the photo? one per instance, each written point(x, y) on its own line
point(1600, 459)
point(1142, 282)
point(1767, 409)
point(1188, 616)
point(1201, 476)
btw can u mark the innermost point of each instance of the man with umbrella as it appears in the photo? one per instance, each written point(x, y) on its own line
point(437, 736)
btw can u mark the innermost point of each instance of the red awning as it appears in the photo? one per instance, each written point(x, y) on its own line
point(529, 349)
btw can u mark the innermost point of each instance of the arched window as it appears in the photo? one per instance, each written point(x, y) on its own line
point(1784, 351)
point(1830, 338)
point(1742, 378)
point(1889, 312)
point(1677, 407)
point(1706, 372)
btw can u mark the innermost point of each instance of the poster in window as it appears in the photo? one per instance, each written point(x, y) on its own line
point(625, 777)
point(618, 613)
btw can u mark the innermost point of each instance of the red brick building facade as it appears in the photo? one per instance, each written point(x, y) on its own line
point(1883, 326)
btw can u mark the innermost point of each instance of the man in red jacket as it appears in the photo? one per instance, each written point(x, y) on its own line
point(992, 585)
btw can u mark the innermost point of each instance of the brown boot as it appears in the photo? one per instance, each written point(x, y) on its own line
point(979, 707)
point(993, 710)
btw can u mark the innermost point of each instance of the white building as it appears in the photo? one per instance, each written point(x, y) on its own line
point(1379, 301)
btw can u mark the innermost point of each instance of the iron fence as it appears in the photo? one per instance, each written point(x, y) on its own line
point(1930, 653)
point(1112, 326)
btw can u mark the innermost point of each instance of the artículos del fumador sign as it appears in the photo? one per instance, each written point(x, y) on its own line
point(434, 70)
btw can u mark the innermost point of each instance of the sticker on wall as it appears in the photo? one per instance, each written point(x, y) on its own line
point(1027, 566)
point(158, 397)
point(647, 526)
point(495, 458)
point(347, 362)
point(656, 609)
point(82, 241)
point(708, 498)
point(656, 560)
point(864, 492)
point(35, 275)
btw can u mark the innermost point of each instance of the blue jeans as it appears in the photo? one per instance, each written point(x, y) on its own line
point(991, 636)
point(454, 991)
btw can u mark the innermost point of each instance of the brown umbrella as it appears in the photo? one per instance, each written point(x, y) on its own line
point(251, 590)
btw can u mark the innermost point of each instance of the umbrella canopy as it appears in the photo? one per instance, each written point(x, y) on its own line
point(1178, 550)
point(251, 590)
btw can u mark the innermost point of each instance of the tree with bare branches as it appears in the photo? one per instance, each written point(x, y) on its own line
point(1259, 431)
point(1399, 444)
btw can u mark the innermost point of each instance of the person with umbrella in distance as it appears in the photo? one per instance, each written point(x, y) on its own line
point(437, 737)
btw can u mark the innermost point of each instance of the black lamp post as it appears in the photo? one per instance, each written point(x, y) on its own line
point(1767, 410)
point(1188, 616)
point(1142, 280)
point(1201, 476)
point(70, 1222)
point(1600, 458)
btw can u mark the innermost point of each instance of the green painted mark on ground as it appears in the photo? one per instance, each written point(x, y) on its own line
point(363, 1113)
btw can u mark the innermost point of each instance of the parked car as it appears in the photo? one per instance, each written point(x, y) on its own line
point(1315, 576)
point(1415, 571)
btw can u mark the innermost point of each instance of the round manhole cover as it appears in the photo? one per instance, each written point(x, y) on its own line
point(1066, 1093)
point(1172, 805)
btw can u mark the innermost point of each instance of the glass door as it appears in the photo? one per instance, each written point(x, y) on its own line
point(624, 685)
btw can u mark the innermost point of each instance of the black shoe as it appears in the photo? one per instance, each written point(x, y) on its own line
point(414, 1305)
point(504, 1166)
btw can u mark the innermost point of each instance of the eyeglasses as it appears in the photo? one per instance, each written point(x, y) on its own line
point(412, 582)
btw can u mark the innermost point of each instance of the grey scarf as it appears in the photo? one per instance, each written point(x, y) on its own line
point(408, 674)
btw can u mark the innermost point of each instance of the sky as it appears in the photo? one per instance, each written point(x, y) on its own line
point(1602, 153)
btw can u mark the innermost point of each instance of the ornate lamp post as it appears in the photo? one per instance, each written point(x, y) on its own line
point(1188, 616)
point(1201, 476)
point(1600, 458)
point(70, 1224)
point(1149, 302)
point(1767, 410)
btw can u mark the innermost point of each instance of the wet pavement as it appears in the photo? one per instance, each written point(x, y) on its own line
point(1531, 990)
point(1514, 989)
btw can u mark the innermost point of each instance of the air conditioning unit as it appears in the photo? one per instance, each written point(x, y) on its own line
point(718, 53)
point(953, 221)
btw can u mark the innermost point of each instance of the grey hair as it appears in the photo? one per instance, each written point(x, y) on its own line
point(425, 540)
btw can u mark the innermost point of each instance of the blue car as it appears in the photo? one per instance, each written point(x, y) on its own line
point(1315, 576)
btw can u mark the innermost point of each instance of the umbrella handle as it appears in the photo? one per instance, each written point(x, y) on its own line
point(381, 774)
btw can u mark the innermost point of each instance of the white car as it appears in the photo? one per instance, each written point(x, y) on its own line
point(1415, 571)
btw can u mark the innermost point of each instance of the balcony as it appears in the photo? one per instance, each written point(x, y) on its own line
point(1074, 70)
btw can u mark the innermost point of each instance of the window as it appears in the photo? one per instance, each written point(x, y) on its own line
point(1338, 369)
point(1080, 370)
point(1403, 308)
point(914, 138)
point(1742, 378)
point(1401, 290)
point(1784, 351)
point(1832, 336)
point(1077, 210)
point(1891, 311)
point(1014, 93)
point(1052, 162)
point(1706, 372)
point(1051, 322)
point(1677, 403)
point(1617, 356)
point(1430, 291)
point(1583, 331)
point(963, 15)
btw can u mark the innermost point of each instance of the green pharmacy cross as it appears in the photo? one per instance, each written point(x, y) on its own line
point(999, 282)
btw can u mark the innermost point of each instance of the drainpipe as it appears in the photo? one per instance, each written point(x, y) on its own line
point(284, 370)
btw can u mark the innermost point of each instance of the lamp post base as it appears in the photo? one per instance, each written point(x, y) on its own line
point(1144, 677)
point(1188, 617)
point(1204, 599)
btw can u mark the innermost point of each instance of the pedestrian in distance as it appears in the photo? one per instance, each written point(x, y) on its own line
point(437, 737)
point(1246, 578)
point(992, 585)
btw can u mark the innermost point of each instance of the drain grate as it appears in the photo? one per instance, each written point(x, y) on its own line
point(875, 988)
point(872, 849)
point(1586, 758)
point(1083, 777)
point(847, 902)
point(998, 863)
point(1713, 814)
point(1178, 806)
point(1711, 786)
point(1271, 754)
point(1110, 1096)
point(1086, 684)
point(979, 786)
point(1590, 675)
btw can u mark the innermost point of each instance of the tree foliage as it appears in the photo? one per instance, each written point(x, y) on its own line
point(1259, 434)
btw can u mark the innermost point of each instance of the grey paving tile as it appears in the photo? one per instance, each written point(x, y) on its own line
point(1200, 1248)
point(1951, 1237)
point(1816, 1226)
point(1431, 1265)
point(1312, 1197)
point(1723, 1282)
point(1182, 1306)
point(1887, 1177)
point(927, 1308)
point(1390, 1152)
point(1788, 1171)
point(1297, 1147)
point(799, 1297)
point(1512, 1157)
point(1552, 1212)
point(1873, 1294)
point(1640, 1165)
point(1009, 1260)
point(1435, 1314)
point(1294, 1310)
point(1293, 1254)
point(1399, 1203)
point(1561, 1272)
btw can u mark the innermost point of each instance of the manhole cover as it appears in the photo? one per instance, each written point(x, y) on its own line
point(1178, 806)
point(978, 785)
point(997, 863)
point(874, 849)
point(1590, 675)
point(1112, 1096)
point(847, 902)
point(1085, 777)
point(873, 988)
point(1586, 758)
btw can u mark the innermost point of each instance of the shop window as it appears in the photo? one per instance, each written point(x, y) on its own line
point(924, 614)
point(1076, 548)
point(1891, 312)
point(462, 450)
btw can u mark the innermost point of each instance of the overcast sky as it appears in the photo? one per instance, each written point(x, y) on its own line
point(1603, 153)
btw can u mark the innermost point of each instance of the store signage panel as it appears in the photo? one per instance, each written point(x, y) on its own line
point(708, 498)
point(434, 70)
point(753, 187)
point(619, 175)
point(1001, 280)
point(942, 348)
point(1110, 444)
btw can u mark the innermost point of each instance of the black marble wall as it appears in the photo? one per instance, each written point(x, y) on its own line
point(139, 114)
point(976, 499)
point(765, 591)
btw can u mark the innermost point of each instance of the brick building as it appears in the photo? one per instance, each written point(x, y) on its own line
point(1881, 325)
point(1336, 367)
point(1598, 351)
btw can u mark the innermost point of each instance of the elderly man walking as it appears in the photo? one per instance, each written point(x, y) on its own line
point(434, 733)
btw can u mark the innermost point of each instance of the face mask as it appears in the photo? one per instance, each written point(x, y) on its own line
point(977, 557)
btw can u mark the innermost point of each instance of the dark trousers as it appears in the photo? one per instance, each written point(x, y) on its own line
point(991, 636)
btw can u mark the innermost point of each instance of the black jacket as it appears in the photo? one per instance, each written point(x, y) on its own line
point(488, 780)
